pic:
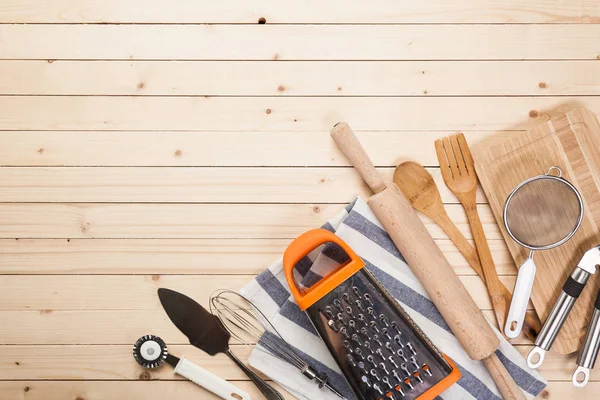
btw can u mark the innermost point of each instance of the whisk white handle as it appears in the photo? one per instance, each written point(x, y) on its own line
point(520, 299)
point(209, 381)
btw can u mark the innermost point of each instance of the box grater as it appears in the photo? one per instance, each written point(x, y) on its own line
point(382, 353)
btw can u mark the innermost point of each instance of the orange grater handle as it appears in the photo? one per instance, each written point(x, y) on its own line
point(302, 246)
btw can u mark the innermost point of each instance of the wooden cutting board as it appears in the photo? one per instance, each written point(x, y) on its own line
point(572, 142)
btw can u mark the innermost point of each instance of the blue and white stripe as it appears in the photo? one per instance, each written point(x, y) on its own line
point(358, 226)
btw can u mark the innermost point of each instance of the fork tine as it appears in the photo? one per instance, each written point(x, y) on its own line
point(466, 152)
point(458, 156)
point(451, 157)
point(443, 160)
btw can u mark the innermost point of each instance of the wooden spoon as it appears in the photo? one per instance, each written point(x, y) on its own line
point(419, 188)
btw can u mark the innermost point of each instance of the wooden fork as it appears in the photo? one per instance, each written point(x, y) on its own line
point(458, 171)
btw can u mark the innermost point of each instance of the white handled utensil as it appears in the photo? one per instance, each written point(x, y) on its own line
point(541, 213)
point(151, 351)
point(520, 298)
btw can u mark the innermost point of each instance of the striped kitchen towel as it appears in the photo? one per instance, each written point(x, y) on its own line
point(360, 229)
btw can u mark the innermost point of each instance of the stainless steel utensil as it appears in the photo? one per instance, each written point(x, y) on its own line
point(571, 291)
point(206, 332)
point(249, 325)
point(589, 352)
point(541, 213)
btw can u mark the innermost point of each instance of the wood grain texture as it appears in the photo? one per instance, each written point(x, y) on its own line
point(189, 185)
point(299, 78)
point(312, 11)
point(121, 327)
point(113, 362)
point(115, 390)
point(504, 166)
point(106, 362)
point(179, 389)
point(116, 89)
point(196, 149)
point(120, 390)
point(138, 292)
point(186, 221)
point(175, 256)
point(301, 42)
point(281, 114)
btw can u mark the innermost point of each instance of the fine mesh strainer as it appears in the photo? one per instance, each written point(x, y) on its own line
point(541, 213)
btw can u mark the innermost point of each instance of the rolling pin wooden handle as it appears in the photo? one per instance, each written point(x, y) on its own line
point(421, 253)
point(505, 383)
point(350, 146)
point(434, 272)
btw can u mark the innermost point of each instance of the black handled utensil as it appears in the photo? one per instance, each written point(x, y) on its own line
point(206, 332)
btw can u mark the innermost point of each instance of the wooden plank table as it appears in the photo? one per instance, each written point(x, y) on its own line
point(184, 143)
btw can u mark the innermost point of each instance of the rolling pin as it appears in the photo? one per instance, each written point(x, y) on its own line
point(428, 263)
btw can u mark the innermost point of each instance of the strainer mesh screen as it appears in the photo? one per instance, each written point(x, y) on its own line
point(543, 212)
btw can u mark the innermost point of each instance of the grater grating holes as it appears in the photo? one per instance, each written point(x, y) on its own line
point(374, 343)
point(379, 371)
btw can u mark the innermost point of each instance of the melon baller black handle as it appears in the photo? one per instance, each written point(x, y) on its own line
point(266, 389)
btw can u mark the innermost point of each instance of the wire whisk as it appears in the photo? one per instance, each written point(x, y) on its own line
point(246, 323)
